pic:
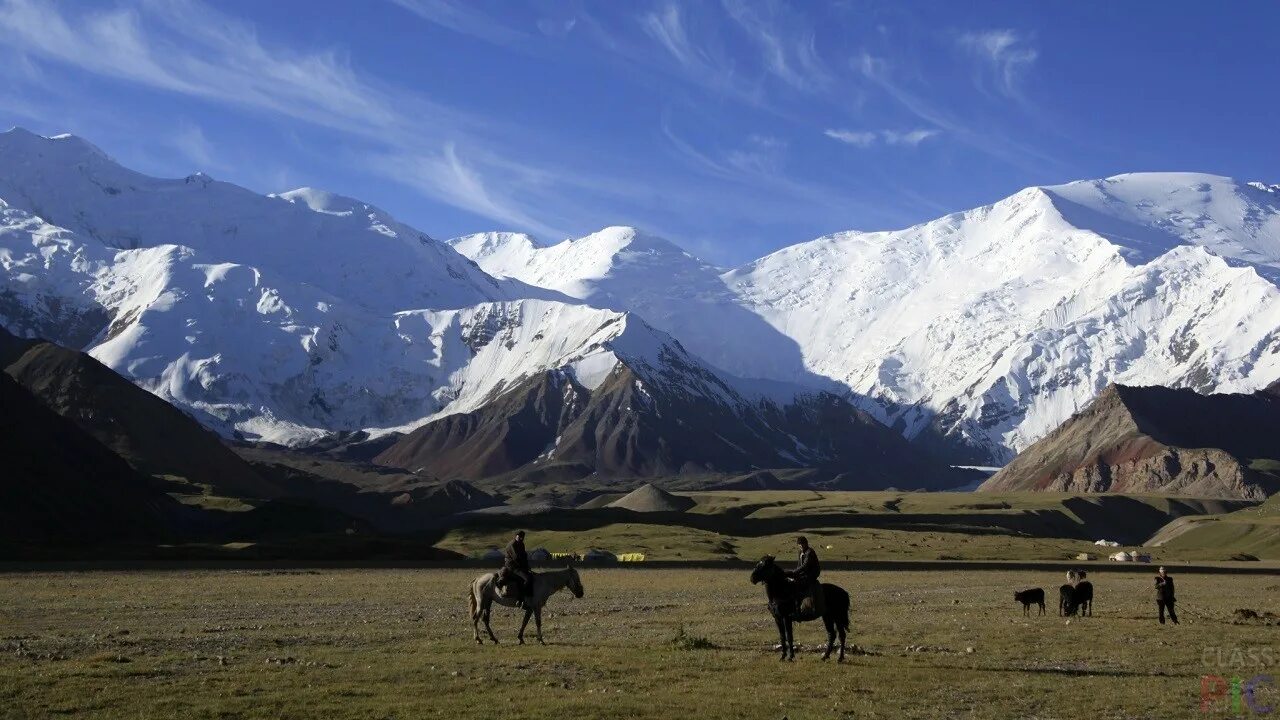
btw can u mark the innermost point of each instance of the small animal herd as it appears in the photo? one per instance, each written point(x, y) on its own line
point(1074, 598)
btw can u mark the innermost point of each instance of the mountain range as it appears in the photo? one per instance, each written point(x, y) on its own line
point(290, 318)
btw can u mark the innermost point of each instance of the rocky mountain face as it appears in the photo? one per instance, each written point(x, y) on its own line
point(1157, 440)
point(664, 415)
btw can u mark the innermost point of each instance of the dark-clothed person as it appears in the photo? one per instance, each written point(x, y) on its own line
point(515, 563)
point(1164, 596)
point(807, 568)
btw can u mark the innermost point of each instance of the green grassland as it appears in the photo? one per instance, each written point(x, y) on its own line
point(869, 526)
point(397, 644)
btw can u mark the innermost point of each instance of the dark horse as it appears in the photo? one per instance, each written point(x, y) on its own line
point(784, 599)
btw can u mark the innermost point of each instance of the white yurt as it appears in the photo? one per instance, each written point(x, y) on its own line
point(539, 555)
point(1122, 556)
point(598, 555)
point(493, 554)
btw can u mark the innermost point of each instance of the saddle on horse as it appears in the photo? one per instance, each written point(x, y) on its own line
point(514, 584)
point(810, 600)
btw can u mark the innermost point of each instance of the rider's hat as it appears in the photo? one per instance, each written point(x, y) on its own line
point(802, 540)
point(519, 533)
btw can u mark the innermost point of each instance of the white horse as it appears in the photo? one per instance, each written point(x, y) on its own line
point(484, 592)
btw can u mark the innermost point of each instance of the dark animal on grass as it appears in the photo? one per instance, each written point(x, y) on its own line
point(1067, 603)
point(784, 601)
point(1084, 597)
point(484, 593)
point(1034, 596)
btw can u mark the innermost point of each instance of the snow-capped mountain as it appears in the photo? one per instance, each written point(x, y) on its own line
point(290, 317)
point(982, 330)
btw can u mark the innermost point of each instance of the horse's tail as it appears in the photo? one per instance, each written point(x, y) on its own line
point(471, 600)
point(841, 607)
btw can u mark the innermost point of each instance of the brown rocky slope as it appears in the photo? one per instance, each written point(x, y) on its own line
point(1157, 440)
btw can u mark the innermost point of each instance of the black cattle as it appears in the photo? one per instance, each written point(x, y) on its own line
point(1066, 605)
point(1034, 596)
point(1083, 597)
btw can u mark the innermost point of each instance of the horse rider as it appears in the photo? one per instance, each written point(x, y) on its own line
point(805, 575)
point(515, 565)
point(1164, 596)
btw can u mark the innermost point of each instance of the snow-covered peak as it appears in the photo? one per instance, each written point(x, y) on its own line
point(342, 246)
point(17, 142)
point(1148, 214)
point(323, 201)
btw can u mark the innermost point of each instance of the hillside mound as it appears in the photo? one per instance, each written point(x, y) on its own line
point(1157, 439)
point(60, 486)
point(152, 435)
point(651, 498)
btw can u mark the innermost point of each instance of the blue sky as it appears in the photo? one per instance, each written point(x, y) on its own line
point(731, 127)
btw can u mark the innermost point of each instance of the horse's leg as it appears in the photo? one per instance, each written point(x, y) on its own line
point(475, 618)
point(843, 630)
point(790, 646)
point(537, 623)
point(524, 623)
point(831, 637)
point(487, 608)
point(782, 635)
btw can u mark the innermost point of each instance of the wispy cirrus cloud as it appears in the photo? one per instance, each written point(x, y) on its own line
point(1005, 54)
point(868, 138)
point(878, 71)
point(788, 49)
point(188, 48)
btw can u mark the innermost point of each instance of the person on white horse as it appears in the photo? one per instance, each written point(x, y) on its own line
point(485, 594)
point(516, 570)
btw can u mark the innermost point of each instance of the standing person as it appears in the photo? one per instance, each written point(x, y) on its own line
point(515, 563)
point(1164, 596)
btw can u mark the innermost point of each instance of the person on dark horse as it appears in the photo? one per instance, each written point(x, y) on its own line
point(781, 590)
point(515, 570)
point(805, 576)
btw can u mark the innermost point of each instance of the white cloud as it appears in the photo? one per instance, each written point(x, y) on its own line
point(788, 49)
point(867, 138)
point(1005, 53)
point(852, 137)
point(192, 49)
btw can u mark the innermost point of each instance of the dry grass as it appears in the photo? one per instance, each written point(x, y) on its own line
point(397, 644)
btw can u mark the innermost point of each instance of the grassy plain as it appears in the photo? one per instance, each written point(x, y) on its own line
point(397, 644)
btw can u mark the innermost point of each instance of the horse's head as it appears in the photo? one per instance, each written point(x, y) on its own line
point(764, 570)
point(575, 583)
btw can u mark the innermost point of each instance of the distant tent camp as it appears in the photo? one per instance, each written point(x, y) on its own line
point(1107, 543)
point(1122, 556)
point(492, 554)
point(539, 555)
point(600, 556)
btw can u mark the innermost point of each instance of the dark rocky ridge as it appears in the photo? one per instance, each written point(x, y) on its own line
point(60, 486)
point(646, 424)
point(1157, 439)
point(154, 436)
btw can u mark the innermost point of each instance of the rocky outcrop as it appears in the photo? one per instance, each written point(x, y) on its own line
point(649, 423)
point(1157, 440)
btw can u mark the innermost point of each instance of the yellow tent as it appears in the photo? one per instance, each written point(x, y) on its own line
point(631, 557)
